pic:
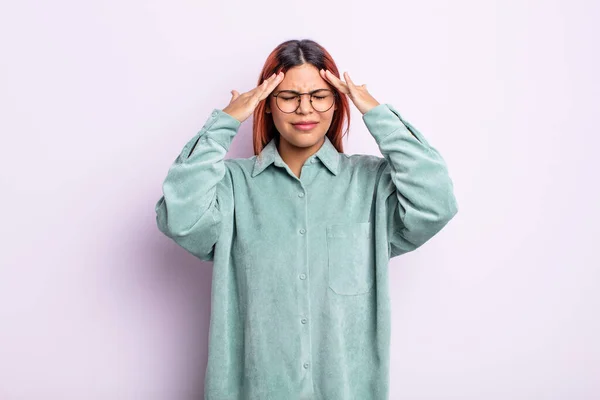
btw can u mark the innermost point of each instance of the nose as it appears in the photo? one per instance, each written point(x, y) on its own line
point(305, 106)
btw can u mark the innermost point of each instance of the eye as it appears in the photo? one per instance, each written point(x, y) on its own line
point(287, 96)
point(322, 94)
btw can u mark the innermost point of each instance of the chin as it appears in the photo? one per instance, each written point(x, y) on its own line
point(304, 139)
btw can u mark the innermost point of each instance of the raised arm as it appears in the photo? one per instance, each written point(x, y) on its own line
point(198, 182)
point(188, 211)
point(415, 181)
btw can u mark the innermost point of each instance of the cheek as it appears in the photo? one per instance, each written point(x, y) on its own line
point(329, 117)
point(278, 118)
point(280, 121)
point(275, 112)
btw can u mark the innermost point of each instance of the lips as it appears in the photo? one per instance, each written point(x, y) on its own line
point(305, 126)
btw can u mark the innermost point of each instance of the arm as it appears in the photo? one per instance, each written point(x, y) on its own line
point(418, 192)
point(188, 212)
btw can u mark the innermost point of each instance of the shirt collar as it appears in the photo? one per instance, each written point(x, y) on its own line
point(327, 153)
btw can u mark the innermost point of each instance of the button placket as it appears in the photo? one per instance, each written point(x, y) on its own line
point(304, 288)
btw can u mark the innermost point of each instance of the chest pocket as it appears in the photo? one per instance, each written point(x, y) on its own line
point(351, 256)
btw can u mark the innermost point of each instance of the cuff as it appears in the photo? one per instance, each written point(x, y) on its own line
point(384, 119)
point(220, 127)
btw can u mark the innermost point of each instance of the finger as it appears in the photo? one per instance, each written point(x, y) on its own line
point(257, 91)
point(350, 82)
point(263, 83)
point(335, 81)
point(329, 77)
point(273, 83)
point(323, 74)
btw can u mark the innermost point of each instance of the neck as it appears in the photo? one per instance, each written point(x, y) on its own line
point(295, 156)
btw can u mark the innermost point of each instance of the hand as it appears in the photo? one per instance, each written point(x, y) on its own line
point(241, 106)
point(359, 95)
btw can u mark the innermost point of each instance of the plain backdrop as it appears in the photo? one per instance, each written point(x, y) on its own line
point(98, 98)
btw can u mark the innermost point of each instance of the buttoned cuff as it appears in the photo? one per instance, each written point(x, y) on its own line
point(220, 127)
point(384, 119)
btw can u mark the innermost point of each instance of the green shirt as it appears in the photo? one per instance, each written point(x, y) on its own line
point(300, 291)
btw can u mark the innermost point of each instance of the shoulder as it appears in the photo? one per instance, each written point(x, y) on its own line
point(364, 162)
point(240, 165)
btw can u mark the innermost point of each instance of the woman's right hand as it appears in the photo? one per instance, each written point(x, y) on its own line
point(242, 105)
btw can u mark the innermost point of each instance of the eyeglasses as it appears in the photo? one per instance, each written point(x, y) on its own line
point(321, 100)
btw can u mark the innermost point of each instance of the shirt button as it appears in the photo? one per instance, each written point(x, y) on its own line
point(303, 320)
point(306, 365)
point(302, 231)
point(303, 276)
point(300, 194)
point(313, 160)
point(214, 114)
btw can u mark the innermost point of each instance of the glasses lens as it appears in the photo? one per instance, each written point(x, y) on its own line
point(288, 102)
point(322, 101)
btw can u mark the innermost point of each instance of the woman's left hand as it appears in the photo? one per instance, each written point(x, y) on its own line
point(359, 95)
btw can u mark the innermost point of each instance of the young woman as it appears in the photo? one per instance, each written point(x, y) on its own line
point(301, 234)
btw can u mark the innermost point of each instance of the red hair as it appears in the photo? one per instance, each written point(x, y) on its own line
point(285, 56)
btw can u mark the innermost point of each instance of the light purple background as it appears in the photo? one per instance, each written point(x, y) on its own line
point(97, 99)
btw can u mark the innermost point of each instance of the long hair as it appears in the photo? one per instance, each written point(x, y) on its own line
point(287, 55)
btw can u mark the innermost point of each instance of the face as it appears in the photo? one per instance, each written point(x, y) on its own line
point(304, 78)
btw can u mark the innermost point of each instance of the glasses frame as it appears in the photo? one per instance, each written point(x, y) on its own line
point(335, 95)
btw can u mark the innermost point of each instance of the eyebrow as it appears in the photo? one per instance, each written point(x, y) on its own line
point(295, 91)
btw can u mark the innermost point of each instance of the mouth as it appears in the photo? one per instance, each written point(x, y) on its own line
point(305, 126)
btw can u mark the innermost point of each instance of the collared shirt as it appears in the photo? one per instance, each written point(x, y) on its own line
point(300, 292)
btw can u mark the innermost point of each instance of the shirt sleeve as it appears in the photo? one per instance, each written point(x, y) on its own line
point(415, 188)
point(197, 182)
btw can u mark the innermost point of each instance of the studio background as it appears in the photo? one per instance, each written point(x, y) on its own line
point(98, 98)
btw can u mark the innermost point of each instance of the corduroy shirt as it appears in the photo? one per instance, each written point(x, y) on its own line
point(300, 293)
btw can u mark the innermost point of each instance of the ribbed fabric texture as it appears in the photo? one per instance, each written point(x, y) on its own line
point(300, 296)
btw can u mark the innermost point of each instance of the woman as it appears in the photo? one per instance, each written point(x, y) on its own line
point(300, 234)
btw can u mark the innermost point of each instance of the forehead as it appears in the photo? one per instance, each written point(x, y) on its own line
point(303, 78)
